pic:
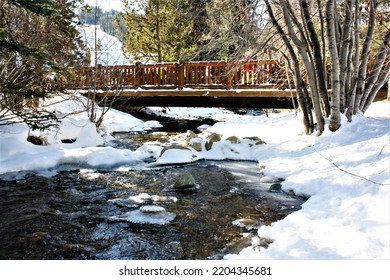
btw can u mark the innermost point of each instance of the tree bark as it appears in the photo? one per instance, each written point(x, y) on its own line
point(335, 119)
point(364, 57)
point(344, 50)
point(356, 55)
point(378, 85)
point(299, 84)
point(375, 74)
point(303, 51)
point(318, 62)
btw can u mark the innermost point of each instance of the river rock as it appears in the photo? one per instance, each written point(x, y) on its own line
point(270, 179)
point(173, 147)
point(190, 134)
point(36, 140)
point(211, 139)
point(255, 139)
point(193, 141)
point(203, 127)
point(153, 124)
point(132, 201)
point(186, 182)
point(249, 224)
point(196, 144)
point(233, 140)
point(276, 187)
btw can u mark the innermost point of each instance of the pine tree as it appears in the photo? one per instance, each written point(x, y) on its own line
point(157, 27)
point(38, 43)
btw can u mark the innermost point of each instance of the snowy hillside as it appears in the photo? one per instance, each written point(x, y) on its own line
point(109, 48)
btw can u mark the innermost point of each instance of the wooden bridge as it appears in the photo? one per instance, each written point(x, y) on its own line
point(242, 84)
point(239, 84)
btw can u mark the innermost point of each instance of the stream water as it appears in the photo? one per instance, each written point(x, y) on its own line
point(84, 214)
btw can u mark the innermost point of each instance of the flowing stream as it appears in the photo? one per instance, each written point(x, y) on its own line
point(136, 214)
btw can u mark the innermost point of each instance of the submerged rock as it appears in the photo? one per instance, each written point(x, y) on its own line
point(249, 224)
point(132, 201)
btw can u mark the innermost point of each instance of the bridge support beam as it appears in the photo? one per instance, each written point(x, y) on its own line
point(202, 101)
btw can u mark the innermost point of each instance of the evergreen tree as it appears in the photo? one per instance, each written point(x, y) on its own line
point(38, 42)
point(199, 20)
point(157, 27)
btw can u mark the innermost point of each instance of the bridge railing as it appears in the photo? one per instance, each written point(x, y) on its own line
point(198, 74)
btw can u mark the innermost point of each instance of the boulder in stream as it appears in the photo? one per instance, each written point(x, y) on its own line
point(196, 144)
point(275, 187)
point(211, 139)
point(233, 140)
point(186, 182)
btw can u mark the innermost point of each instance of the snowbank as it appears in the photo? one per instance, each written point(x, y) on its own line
point(75, 142)
point(346, 175)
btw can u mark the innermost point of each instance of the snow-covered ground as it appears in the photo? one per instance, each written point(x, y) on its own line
point(345, 174)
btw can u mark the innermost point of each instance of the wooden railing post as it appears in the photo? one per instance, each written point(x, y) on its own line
point(180, 74)
point(137, 75)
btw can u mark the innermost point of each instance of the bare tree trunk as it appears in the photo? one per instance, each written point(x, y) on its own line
point(319, 4)
point(335, 119)
point(356, 55)
point(384, 74)
point(344, 50)
point(364, 57)
point(318, 62)
point(299, 84)
point(376, 73)
point(286, 8)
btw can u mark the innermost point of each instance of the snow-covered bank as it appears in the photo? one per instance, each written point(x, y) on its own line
point(83, 144)
point(345, 174)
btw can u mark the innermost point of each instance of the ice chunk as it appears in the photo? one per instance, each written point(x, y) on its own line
point(148, 214)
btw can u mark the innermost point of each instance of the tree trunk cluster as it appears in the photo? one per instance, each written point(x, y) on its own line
point(333, 45)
